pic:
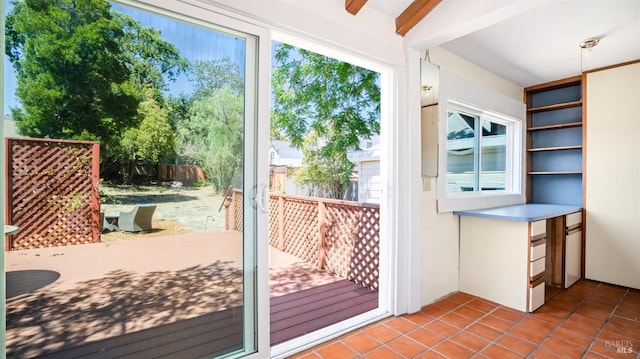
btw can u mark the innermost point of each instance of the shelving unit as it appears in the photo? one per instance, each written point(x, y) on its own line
point(554, 142)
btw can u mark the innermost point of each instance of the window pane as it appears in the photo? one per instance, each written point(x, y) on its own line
point(461, 152)
point(494, 160)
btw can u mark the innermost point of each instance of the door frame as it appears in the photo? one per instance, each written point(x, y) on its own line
point(387, 292)
point(403, 203)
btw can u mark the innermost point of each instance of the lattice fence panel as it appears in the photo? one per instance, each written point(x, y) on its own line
point(233, 214)
point(301, 229)
point(341, 223)
point(349, 231)
point(274, 220)
point(365, 256)
point(52, 192)
point(352, 242)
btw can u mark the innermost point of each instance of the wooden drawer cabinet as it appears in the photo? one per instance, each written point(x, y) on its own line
point(538, 249)
point(538, 229)
point(508, 261)
point(536, 268)
point(536, 294)
point(573, 249)
point(537, 264)
point(564, 250)
point(574, 219)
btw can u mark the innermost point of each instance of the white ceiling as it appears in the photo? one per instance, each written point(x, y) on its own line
point(528, 41)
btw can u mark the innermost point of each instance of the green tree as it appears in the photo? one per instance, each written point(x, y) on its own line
point(326, 175)
point(81, 68)
point(338, 101)
point(209, 123)
point(180, 108)
point(150, 59)
point(213, 136)
point(210, 76)
point(152, 140)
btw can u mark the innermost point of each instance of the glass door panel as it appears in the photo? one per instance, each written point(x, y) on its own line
point(172, 267)
point(325, 212)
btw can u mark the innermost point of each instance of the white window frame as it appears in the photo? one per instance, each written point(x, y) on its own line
point(511, 125)
point(513, 192)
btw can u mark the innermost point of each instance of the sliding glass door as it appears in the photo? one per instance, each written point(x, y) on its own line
point(175, 96)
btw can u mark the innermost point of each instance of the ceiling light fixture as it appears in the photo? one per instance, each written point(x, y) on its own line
point(590, 43)
point(586, 48)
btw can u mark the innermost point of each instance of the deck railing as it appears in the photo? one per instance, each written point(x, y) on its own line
point(342, 237)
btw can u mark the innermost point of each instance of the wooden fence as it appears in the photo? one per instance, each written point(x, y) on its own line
point(186, 174)
point(52, 192)
point(340, 236)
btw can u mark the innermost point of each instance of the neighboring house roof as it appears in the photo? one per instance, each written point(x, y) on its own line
point(284, 149)
point(282, 153)
point(290, 155)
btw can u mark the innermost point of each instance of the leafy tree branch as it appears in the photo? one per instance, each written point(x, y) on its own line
point(324, 107)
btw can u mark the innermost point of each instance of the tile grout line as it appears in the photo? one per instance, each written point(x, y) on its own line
point(359, 331)
point(477, 321)
point(503, 332)
point(595, 337)
point(406, 335)
point(436, 318)
point(384, 345)
point(380, 344)
point(590, 293)
point(584, 299)
point(418, 326)
point(448, 311)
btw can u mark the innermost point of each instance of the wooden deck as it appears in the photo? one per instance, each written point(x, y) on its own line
point(303, 312)
point(132, 299)
point(218, 333)
point(211, 334)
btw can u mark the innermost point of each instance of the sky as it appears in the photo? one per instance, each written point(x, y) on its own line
point(193, 42)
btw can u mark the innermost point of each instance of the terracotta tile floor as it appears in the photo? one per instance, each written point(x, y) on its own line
point(589, 320)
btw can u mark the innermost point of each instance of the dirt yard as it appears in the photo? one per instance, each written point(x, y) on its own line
point(178, 211)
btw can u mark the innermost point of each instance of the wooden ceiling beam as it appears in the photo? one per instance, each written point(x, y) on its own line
point(353, 6)
point(413, 14)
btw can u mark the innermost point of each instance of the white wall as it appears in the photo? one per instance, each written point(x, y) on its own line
point(613, 176)
point(440, 231)
point(440, 247)
point(473, 73)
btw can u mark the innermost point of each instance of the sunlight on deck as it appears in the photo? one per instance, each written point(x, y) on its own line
point(117, 288)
